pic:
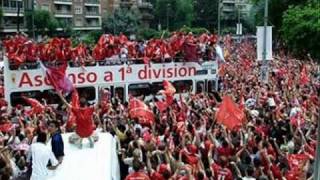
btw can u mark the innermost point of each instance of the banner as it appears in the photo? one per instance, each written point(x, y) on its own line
point(260, 41)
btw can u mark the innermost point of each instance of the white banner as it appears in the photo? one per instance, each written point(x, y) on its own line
point(260, 34)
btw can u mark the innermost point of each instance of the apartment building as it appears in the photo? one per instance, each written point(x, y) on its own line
point(13, 16)
point(233, 9)
point(144, 6)
point(78, 14)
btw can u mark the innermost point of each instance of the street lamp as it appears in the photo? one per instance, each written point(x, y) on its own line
point(168, 6)
point(219, 17)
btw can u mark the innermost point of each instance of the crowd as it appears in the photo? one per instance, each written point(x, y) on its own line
point(21, 50)
point(276, 140)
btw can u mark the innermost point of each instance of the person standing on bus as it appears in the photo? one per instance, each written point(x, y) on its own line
point(84, 122)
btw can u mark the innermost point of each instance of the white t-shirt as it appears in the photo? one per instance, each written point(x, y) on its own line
point(41, 154)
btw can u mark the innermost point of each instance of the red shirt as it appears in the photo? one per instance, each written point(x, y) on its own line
point(84, 121)
point(221, 173)
point(225, 151)
point(137, 176)
point(157, 176)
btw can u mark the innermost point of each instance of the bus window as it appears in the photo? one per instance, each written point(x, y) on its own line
point(199, 87)
point(183, 86)
point(87, 92)
point(156, 87)
point(119, 92)
point(211, 86)
point(49, 95)
point(139, 89)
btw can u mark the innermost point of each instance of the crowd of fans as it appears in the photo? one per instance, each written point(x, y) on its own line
point(277, 140)
point(20, 49)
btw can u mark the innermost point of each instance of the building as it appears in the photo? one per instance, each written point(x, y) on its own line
point(144, 6)
point(77, 14)
point(234, 10)
point(13, 13)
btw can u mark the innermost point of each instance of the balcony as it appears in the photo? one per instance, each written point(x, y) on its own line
point(92, 13)
point(12, 11)
point(147, 16)
point(63, 2)
point(126, 3)
point(145, 5)
point(92, 2)
point(63, 14)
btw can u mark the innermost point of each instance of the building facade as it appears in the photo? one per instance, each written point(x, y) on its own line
point(77, 14)
point(144, 6)
point(13, 16)
point(235, 9)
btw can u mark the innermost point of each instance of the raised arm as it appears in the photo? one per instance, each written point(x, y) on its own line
point(64, 100)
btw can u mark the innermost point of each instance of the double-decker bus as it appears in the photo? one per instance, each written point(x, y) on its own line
point(121, 79)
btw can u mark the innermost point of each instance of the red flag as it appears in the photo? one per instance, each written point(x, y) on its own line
point(37, 107)
point(304, 78)
point(57, 77)
point(190, 52)
point(169, 89)
point(161, 105)
point(229, 114)
point(138, 109)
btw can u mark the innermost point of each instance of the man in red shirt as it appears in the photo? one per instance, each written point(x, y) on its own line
point(138, 174)
point(84, 122)
point(220, 171)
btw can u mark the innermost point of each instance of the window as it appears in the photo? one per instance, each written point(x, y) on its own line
point(211, 86)
point(199, 87)
point(89, 93)
point(119, 92)
point(49, 95)
point(78, 22)
point(156, 87)
point(139, 89)
point(183, 86)
point(77, 10)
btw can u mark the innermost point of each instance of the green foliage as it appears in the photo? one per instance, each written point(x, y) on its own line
point(149, 33)
point(174, 14)
point(122, 20)
point(195, 31)
point(276, 10)
point(1, 15)
point(44, 21)
point(206, 14)
point(300, 29)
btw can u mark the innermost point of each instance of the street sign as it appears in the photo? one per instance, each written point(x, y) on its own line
point(260, 33)
point(239, 28)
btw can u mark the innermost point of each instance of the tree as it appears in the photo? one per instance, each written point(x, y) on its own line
point(276, 10)
point(300, 29)
point(206, 13)
point(1, 15)
point(44, 21)
point(174, 14)
point(122, 20)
